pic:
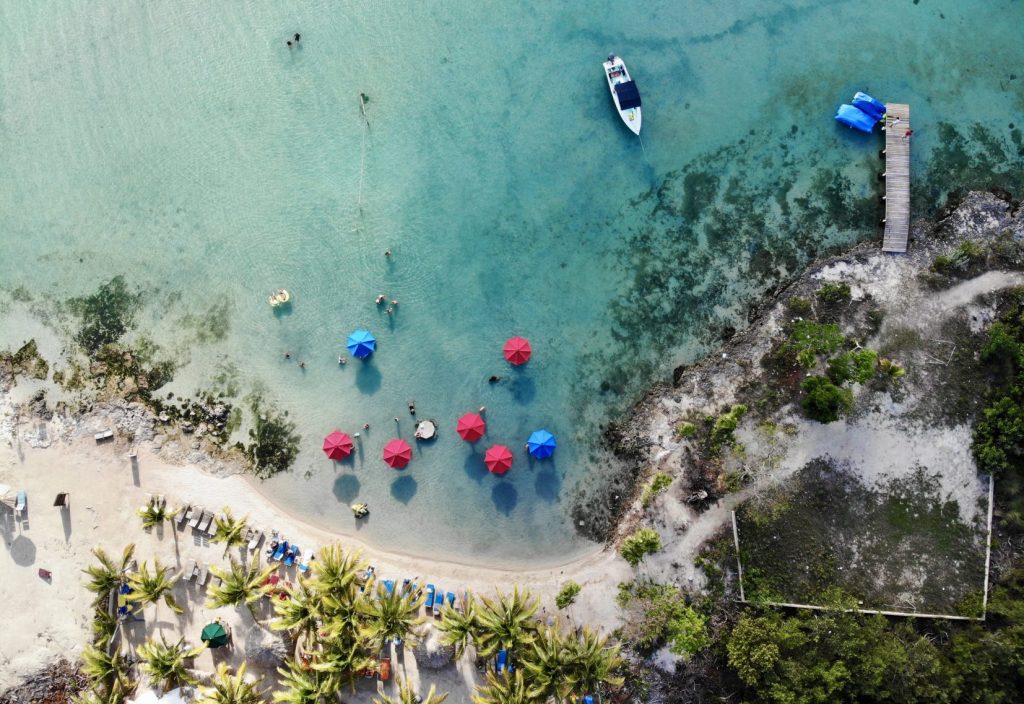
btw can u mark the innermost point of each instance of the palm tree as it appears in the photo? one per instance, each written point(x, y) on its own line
point(391, 616)
point(230, 530)
point(343, 614)
point(154, 514)
point(458, 628)
point(547, 665)
point(148, 587)
point(335, 569)
point(301, 613)
point(592, 662)
point(506, 623)
point(303, 686)
point(103, 626)
point(114, 695)
point(239, 585)
point(105, 670)
point(165, 662)
point(341, 662)
point(108, 574)
point(408, 695)
point(504, 689)
point(226, 689)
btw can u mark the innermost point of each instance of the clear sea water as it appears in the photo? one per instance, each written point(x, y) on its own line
point(183, 145)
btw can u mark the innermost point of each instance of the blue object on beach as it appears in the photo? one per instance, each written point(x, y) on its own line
point(499, 664)
point(361, 344)
point(125, 589)
point(855, 118)
point(589, 699)
point(289, 558)
point(389, 586)
point(451, 599)
point(405, 586)
point(868, 105)
point(541, 444)
point(430, 596)
point(279, 553)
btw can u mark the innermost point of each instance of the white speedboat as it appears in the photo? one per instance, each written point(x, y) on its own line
point(624, 92)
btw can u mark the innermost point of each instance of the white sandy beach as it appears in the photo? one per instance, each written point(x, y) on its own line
point(45, 621)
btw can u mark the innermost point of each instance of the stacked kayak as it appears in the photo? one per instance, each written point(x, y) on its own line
point(863, 114)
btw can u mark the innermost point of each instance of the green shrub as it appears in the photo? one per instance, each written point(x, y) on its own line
point(643, 542)
point(658, 485)
point(858, 366)
point(799, 306)
point(567, 594)
point(808, 339)
point(891, 369)
point(685, 429)
point(724, 427)
point(959, 260)
point(656, 614)
point(824, 401)
point(833, 293)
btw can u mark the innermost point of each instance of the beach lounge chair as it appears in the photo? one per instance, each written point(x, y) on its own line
point(389, 586)
point(211, 530)
point(205, 521)
point(190, 570)
point(289, 557)
point(254, 542)
point(385, 669)
point(204, 572)
point(438, 601)
point(451, 599)
point(588, 699)
point(279, 552)
point(304, 564)
point(197, 515)
point(20, 502)
point(183, 514)
point(429, 601)
point(501, 661)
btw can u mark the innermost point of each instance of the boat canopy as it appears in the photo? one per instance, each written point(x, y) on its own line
point(629, 96)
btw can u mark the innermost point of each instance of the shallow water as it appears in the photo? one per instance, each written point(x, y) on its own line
point(186, 147)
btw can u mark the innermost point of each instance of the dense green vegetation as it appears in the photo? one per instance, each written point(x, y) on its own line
point(655, 615)
point(999, 434)
point(823, 401)
point(655, 488)
point(567, 594)
point(643, 542)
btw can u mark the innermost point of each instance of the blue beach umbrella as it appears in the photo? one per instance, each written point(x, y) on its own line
point(361, 344)
point(541, 444)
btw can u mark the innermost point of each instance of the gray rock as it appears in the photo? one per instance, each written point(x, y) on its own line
point(979, 215)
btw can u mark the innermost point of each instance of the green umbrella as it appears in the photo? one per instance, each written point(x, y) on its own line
point(214, 635)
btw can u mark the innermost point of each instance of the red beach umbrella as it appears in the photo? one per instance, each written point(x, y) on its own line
point(471, 427)
point(517, 350)
point(498, 459)
point(337, 445)
point(397, 453)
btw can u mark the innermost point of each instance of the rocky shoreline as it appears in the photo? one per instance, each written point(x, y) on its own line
point(648, 438)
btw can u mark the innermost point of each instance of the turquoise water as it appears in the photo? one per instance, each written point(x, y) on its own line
point(184, 145)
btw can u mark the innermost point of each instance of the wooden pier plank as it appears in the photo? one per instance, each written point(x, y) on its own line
point(897, 178)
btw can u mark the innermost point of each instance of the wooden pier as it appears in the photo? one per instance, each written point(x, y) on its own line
point(897, 178)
